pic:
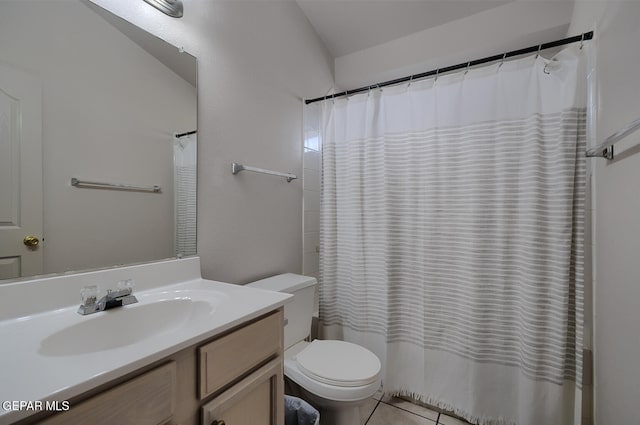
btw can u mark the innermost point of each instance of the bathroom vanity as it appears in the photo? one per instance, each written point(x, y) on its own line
point(191, 351)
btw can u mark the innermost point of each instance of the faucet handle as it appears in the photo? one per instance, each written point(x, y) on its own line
point(89, 294)
point(126, 284)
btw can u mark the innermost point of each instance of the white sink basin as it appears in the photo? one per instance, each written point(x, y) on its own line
point(127, 325)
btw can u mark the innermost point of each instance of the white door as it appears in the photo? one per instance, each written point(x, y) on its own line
point(20, 174)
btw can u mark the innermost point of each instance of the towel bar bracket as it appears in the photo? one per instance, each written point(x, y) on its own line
point(604, 153)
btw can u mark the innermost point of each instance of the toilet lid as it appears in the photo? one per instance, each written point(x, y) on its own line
point(339, 363)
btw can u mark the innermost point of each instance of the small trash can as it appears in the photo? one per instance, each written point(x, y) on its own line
point(299, 412)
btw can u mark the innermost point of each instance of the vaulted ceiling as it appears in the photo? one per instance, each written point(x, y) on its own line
point(346, 26)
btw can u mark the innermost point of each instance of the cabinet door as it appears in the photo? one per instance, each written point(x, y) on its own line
point(145, 400)
point(256, 400)
point(228, 358)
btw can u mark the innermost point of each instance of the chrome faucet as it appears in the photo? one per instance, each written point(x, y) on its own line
point(114, 298)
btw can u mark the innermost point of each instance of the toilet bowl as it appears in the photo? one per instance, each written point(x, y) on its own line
point(336, 377)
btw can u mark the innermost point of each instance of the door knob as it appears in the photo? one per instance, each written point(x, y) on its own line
point(31, 241)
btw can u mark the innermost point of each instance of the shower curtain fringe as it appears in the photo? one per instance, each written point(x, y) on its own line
point(448, 408)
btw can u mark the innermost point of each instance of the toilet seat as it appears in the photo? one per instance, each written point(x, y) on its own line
point(339, 363)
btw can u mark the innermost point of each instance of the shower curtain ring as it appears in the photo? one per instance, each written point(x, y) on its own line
point(502, 61)
point(369, 91)
point(436, 79)
point(467, 70)
point(538, 53)
point(410, 80)
point(582, 41)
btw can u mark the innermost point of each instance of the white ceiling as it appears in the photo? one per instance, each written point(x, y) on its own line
point(346, 26)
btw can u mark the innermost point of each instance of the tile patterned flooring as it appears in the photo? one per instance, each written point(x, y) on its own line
point(382, 409)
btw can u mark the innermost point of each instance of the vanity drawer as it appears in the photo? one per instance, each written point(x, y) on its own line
point(148, 399)
point(232, 356)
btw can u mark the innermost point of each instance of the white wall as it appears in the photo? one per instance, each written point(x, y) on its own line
point(512, 26)
point(105, 118)
point(616, 204)
point(311, 183)
point(257, 60)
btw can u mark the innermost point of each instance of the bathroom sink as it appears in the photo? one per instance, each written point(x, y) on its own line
point(153, 316)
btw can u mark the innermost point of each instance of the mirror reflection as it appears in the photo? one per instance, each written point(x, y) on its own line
point(86, 95)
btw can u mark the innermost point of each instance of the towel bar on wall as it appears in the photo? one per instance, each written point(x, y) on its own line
point(605, 149)
point(84, 183)
point(236, 168)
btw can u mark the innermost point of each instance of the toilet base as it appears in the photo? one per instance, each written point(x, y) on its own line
point(348, 415)
point(331, 412)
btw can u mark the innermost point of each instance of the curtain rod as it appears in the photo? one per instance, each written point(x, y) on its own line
point(188, 133)
point(537, 48)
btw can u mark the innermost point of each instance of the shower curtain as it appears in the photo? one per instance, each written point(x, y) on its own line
point(185, 176)
point(452, 237)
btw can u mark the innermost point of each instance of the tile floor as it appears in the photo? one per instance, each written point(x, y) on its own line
point(382, 409)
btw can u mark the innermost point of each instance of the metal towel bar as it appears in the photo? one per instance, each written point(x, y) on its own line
point(84, 183)
point(236, 168)
point(605, 149)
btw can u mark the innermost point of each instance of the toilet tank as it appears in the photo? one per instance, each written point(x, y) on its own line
point(299, 311)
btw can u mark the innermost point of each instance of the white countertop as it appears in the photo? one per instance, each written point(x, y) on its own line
point(56, 355)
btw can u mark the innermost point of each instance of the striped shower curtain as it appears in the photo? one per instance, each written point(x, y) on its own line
point(452, 237)
point(185, 176)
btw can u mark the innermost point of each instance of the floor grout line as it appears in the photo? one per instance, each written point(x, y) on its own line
point(435, 422)
point(409, 411)
point(374, 409)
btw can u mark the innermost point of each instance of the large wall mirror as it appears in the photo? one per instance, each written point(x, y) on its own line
point(86, 95)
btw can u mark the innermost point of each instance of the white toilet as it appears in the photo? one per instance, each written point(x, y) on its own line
point(336, 377)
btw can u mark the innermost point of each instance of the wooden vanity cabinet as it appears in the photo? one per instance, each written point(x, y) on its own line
point(235, 377)
point(258, 399)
